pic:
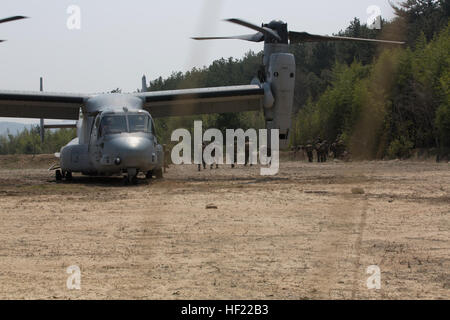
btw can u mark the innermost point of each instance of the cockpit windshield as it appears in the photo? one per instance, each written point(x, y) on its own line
point(113, 124)
point(118, 123)
point(139, 123)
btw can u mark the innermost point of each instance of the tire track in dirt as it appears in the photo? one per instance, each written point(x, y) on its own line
point(336, 250)
point(358, 245)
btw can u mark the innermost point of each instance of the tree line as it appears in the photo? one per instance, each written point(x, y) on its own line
point(397, 100)
point(28, 141)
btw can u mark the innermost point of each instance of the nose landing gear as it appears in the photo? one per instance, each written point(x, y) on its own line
point(131, 176)
point(68, 176)
point(159, 173)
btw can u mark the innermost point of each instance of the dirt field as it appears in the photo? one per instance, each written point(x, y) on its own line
point(300, 235)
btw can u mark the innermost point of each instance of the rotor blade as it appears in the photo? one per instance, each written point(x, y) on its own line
point(299, 37)
point(12, 19)
point(257, 37)
point(264, 30)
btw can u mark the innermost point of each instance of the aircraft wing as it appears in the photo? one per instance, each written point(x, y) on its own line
point(19, 104)
point(203, 100)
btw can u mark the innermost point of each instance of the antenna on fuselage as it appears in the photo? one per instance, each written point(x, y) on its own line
point(144, 84)
point(42, 120)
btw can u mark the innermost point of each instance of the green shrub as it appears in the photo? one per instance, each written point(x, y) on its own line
point(399, 148)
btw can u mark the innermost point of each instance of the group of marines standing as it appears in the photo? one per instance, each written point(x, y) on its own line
point(322, 149)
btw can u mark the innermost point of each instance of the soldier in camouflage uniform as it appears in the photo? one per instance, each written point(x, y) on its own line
point(323, 151)
point(340, 148)
point(333, 148)
point(247, 153)
point(203, 160)
point(309, 150)
point(166, 157)
point(213, 154)
point(235, 153)
point(317, 148)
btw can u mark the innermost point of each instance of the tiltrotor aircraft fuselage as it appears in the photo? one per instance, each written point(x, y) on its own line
point(115, 136)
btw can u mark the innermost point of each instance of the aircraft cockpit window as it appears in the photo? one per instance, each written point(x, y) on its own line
point(139, 123)
point(113, 124)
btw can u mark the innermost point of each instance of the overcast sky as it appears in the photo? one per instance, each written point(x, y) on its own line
point(118, 42)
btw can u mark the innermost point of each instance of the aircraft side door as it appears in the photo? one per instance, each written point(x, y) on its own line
point(96, 141)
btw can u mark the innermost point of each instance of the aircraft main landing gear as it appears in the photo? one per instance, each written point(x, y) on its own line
point(58, 175)
point(159, 173)
point(68, 176)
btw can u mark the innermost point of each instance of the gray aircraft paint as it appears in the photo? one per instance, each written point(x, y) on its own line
point(95, 155)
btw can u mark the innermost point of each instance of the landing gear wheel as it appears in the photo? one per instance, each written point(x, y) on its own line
point(68, 176)
point(132, 179)
point(58, 175)
point(159, 173)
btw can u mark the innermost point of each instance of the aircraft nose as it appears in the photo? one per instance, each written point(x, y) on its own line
point(133, 151)
point(134, 144)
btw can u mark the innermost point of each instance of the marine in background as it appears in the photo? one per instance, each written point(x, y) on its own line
point(247, 154)
point(338, 148)
point(203, 160)
point(309, 148)
point(213, 154)
point(167, 161)
point(235, 153)
point(317, 148)
point(324, 151)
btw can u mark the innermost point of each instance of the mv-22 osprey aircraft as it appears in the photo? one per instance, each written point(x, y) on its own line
point(116, 132)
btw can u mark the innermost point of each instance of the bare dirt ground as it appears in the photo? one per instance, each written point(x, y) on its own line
point(300, 235)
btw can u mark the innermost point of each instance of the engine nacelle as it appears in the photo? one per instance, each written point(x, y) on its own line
point(281, 77)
